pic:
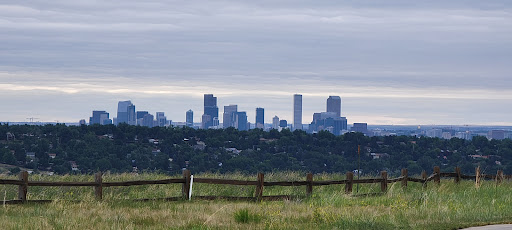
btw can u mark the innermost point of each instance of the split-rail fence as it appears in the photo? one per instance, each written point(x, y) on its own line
point(23, 184)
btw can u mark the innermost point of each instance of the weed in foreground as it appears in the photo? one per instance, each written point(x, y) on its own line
point(244, 216)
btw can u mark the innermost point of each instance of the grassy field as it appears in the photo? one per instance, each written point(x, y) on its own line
point(447, 206)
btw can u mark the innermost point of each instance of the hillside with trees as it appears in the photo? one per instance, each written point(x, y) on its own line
point(86, 149)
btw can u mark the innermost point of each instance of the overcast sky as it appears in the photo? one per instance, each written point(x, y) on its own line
point(392, 62)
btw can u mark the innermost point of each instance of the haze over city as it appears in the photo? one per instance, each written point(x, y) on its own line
point(402, 62)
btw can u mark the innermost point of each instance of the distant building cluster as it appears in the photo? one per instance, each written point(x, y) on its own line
point(330, 120)
point(126, 113)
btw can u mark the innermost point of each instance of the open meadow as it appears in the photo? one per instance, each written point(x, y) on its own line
point(445, 206)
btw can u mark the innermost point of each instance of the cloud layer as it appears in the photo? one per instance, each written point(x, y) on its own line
point(395, 63)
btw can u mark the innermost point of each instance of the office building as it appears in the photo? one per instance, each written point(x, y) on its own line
point(360, 127)
point(496, 134)
point(297, 111)
point(100, 117)
point(126, 113)
point(328, 121)
point(205, 119)
point(210, 109)
point(190, 118)
point(435, 133)
point(161, 119)
point(260, 118)
point(228, 117)
point(283, 124)
point(148, 120)
point(334, 105)
point(131, 115)
point(275, 122)
point(216, 122)
point(140, 116)
point(241, 121)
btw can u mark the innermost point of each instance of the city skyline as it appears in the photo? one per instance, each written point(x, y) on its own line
point(393, 63)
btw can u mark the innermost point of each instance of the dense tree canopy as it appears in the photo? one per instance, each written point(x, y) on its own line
point(170, 149)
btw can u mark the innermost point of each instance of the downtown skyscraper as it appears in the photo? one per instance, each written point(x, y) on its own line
point(190, 118)
point(228, 117)
point(126, 113)
point(297, 111)
point(260, 118)
point(211, 111)
point(334, 105)
point(100, 117)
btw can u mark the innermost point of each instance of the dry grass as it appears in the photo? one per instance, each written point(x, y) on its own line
point(446, 206)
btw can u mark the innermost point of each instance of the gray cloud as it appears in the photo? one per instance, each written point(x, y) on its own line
point(158, 53)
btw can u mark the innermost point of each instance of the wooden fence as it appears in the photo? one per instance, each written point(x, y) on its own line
point(23, 183)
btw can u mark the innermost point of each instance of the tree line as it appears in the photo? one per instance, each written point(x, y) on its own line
point(126, 148)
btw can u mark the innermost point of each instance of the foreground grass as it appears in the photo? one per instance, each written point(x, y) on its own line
point(448, 206)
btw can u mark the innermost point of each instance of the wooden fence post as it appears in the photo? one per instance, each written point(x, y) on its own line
point(23, 189)
point(350, 182)
point(437, 178)
point(259, 186)
point(405, 178)
point(457, 175)
point(424, 176)
point(309, 186)
point(98, 189)
point(499, 177)
point(185, 190)
point(477, 177)
point(384, 182)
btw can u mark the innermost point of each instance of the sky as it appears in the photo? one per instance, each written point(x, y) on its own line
point(396, 62)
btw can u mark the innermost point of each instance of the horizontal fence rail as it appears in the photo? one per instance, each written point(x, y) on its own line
point(23, 183)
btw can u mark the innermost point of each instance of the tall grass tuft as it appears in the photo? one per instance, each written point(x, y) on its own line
point(244, 216)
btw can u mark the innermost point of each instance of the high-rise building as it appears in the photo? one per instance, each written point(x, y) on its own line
point(334, 105)
point(100, 117)
point(283, 124)
point(140, 116)
point(241, 121)
point(132, 117)
point(228, 117)
point(204, 121)
point(297, 111)
point(275, 122)
point(161, 119)
point(148, 120)
point(210, 109)
point(328, 121)
point(190, 118)
point(260, 118)
point(126, 113)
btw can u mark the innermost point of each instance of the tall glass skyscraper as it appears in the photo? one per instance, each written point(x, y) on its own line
point(334, 105)
point(297, 111)
point(140, 116)
point(260, 118)
point(241, 121)
point(210, 109)
point(161, 119)
point(126, 113)
point(190, 118)
point(100, 117)
point(228, 117)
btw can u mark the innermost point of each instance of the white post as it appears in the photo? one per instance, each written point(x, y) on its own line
point(190, 190)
